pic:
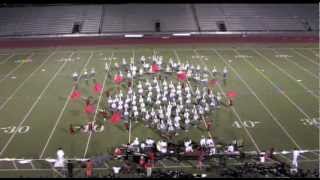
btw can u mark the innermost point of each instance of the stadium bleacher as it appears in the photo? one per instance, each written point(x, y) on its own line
point(49, 20)
point(133, 18)
point(55, 20)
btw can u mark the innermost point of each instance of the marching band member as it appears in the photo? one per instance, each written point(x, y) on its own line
point(75, 76)
point(188, 146)
point(203, 141)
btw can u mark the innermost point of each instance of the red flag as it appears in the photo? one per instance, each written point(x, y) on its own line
point(182, 76)
point(118, 79)
point(155, 68)
point(75, 95)
point(116, 118)
point(89, 109)
point(97, 88)
point(232, 94)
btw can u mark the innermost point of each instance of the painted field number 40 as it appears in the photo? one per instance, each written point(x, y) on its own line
point(246, 124)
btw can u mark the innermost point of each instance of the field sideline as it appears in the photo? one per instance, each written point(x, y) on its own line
point(277, 105)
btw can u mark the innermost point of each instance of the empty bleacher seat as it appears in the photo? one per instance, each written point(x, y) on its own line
point(141, 18)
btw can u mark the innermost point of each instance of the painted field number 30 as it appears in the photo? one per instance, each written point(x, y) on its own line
point(12, 129)
point(247, 124)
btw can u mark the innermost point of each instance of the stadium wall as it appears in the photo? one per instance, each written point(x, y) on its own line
point(38, 42)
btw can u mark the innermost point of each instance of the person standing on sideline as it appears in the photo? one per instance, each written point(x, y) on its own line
point(296, 154)
point(148, 167)
point(89, 168)
point(60, 159)
point(200, 159)
point(70, 169)
point(142, 161)
point(116, 171)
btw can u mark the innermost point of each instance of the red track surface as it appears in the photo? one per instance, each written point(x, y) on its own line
point(94, 41)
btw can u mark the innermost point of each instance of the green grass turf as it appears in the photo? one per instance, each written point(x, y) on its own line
point(269, 94)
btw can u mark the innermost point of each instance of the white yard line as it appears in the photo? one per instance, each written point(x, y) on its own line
point(62, 110)
point(106, 165)
point(95, 114)
point(14, 164)
point(286, 73)
point(204, 121)
point(260, 101)
point(32, 107)
point(56, 171)
point(21, 84)
point(299, 66)
point(305, 57)
point(14, 69)
point(32, 165)
point(7, 59)
point(235, 112)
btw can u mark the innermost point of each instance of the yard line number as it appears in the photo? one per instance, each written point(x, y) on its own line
point(12, 129)
point(246, 124)
point(283, 56)
point(311, 122)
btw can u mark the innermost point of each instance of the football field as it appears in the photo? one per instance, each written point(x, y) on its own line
point(277, 104)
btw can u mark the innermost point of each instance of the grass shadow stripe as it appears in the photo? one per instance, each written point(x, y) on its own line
point(24, 81)
point(285, 72)
point(260, 101)
point(32, 107)
point(305, 57)
point(275, 86)
point(97, 108)
point(233, 109)
point(63, 109)
point(7, 59)
point(299, 66)
point(14, 69)
point(265, 107)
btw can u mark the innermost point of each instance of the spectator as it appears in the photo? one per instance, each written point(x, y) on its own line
point(89, 168)
point(141, 161)
point(60, 159)
point(117, 153)
point(126, 167)
point(148, 166)
point(70, 169)
point(151, 156)
point(116, 171)
point(200, 159)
